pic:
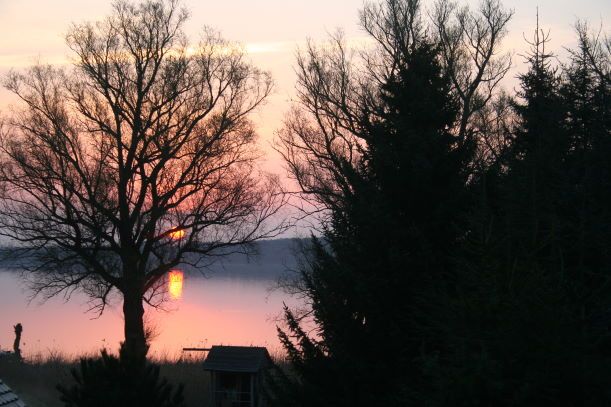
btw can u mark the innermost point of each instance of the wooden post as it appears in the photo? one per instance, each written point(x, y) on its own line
point(16, 349)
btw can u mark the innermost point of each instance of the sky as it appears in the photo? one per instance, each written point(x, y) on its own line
point(271, 31)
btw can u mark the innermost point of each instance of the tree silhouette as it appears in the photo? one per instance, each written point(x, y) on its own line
point(113, 381)
point(528, 320)
point(138, 159)
point(385, 146)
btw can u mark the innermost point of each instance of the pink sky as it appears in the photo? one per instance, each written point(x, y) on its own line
point(270, 29)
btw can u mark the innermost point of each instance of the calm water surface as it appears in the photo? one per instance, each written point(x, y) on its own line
point(222, 309)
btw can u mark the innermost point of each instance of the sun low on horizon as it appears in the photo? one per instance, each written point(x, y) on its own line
point(276, 203)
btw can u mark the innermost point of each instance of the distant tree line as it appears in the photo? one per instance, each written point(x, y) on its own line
point(466, 237)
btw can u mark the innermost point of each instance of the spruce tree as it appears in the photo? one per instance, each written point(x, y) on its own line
point(529, 321)
point(386, 248)
point(119, 381)
point(385, 149)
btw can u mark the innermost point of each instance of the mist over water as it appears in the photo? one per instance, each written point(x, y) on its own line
point(234, 304)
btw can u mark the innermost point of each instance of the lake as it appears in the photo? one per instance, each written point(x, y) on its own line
point(234, 304)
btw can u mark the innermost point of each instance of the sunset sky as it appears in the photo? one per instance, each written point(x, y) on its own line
point(271, 30)
point(419, 239)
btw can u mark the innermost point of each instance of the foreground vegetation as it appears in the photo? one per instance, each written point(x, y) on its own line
point(36, 379)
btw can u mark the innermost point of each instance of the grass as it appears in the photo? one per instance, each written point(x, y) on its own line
point(35, 379)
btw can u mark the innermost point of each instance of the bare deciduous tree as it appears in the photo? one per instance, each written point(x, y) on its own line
point(138, 159)
point(339, 90)
point(470, 44)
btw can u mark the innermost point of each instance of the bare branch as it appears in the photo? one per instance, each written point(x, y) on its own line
point(144, 136)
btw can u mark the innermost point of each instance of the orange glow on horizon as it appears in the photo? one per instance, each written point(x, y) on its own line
point(177, 234)
point(175, 280)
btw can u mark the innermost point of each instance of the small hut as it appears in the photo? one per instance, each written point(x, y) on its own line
point(237, 374)
point(8, 398)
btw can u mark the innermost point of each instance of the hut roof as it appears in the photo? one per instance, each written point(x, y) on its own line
point(240, 359)
point(8, 398)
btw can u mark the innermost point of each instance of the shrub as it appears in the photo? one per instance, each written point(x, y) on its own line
point(119, 381)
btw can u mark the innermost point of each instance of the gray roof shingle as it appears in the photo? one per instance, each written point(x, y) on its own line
point(239, 359)
point(8, 398)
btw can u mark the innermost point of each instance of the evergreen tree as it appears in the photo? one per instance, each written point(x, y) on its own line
point(386, 149)
point(529, 322)
point(387, 246)
point(122, 381)
point(586, 90)
point(536, 161)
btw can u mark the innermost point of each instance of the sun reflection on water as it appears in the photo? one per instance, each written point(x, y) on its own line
point(175, 280)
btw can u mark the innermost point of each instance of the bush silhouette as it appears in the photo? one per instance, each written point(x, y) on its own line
point(113, 381)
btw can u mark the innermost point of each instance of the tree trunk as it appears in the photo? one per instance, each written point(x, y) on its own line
point(135, 346)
